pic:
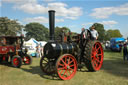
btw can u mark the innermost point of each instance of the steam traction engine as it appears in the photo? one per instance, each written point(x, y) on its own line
point(64, 58)
point(11, 51)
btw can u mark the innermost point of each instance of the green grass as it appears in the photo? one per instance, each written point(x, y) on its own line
point(114, 72)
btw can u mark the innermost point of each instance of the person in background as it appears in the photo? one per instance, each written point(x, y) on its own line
point(41, 50)
point(37, 55)
point(125, 52)
point(69, 37)
point(62, 36)
point(94, 33)
point(38, 51)
point(120, 45)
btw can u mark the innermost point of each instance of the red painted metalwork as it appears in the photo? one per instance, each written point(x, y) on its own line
point(97, 56)
point(16, 61)
point(4, 58)
point(6, 49)
point(66, 67)
point(27, 59)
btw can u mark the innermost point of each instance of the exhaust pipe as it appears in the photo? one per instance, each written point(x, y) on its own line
point(51, 24)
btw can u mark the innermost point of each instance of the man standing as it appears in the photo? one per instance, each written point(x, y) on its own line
point(82, 37)
point(125, 52)
point(94, 33)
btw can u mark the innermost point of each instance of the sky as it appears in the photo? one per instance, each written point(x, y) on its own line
point(74, 14)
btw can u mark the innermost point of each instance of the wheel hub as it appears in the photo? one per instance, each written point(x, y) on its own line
point(25, 59)
point(95, 54)
point(67, 67)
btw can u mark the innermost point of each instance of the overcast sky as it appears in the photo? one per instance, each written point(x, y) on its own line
point(74, 14)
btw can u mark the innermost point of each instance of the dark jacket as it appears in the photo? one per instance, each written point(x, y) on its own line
point(125, 51)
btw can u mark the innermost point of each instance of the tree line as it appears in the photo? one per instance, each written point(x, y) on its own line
point(40, 32)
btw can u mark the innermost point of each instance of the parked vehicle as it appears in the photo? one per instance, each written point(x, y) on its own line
point(64, 56)
point(116, 44)
point(11, 51)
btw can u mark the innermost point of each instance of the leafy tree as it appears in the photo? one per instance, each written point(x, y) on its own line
point(100, 28)
point(37, 31)
point(58, 31)
point(74, 34)
point(9, 27)
point(107, 36)
point(113, 33)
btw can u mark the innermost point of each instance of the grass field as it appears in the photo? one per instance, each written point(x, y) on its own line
point(114, 72)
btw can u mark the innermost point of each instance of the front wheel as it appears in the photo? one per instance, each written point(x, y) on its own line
point(66, 66)
point(93, 54)
point(16, 61)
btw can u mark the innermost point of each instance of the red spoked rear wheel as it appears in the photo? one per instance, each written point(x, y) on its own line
point(94, 55)
point(66, 66)
point(97, 56)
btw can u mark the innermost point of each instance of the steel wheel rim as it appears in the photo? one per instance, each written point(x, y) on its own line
point(16, 61)
point(97, 56)
point(67, 67)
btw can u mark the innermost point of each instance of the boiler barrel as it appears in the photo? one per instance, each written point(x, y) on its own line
point(52, 50)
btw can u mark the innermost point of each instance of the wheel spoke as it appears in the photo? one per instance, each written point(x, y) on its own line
point(72, 65)
point(99, 54)
point(61, 71)
point(63, 61)
point(61, 64)
point(64, 73)
point(97, 60)
point(68, 60)
point(45, 60)
point(61, 68)
point(97, 49)
point(46, 66)
point(69, 72)
point(95, 64)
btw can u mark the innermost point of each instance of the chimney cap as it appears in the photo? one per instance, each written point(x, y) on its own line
point(51, 11)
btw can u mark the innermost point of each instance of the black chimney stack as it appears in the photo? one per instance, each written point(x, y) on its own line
point(51, 24)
